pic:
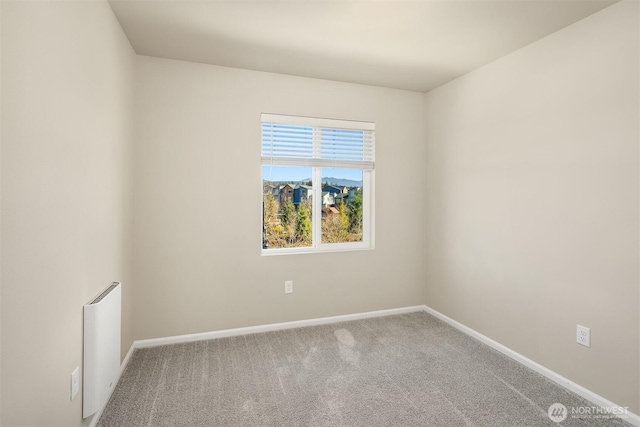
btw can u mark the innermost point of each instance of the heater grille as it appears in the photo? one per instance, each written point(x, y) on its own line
point(105, 293)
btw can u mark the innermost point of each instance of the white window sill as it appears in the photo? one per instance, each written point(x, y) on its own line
point(310, 250)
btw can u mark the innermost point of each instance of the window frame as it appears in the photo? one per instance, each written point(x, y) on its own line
point(368, 190)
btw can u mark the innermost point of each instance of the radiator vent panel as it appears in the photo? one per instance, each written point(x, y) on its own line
point(101, 365)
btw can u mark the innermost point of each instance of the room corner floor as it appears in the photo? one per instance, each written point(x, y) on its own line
point(404, 370)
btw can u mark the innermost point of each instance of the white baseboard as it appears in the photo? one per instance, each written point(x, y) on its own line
point(273, 327)
point(123, 365)
point(598, 400)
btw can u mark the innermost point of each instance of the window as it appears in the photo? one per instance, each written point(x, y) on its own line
point(317, 184)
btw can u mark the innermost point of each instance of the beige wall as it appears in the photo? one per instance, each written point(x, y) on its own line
point(532, 184)
point(66, 152)
point(1, 105)
point(198, 202)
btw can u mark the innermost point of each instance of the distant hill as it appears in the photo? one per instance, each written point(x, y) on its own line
point(340, 182)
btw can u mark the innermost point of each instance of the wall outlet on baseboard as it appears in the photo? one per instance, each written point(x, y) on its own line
point(75, 382)
point(288, 287)
point(583, 336)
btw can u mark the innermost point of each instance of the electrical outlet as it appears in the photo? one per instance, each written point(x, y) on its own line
point(75, 382)
point(288, 287)
point(583, 336)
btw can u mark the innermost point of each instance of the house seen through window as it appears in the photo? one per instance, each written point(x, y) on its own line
point(317, 184)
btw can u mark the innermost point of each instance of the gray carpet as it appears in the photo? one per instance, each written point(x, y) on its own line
point(405, 370)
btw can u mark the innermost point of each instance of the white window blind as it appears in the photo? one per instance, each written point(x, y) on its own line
point(304, 141)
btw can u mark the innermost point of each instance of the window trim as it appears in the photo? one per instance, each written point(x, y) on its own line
point(368, 190)
point(317, 122)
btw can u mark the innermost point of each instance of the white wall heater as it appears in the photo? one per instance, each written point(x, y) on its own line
point(101, 348)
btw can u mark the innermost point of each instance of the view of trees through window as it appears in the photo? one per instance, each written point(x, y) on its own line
point(288, 206)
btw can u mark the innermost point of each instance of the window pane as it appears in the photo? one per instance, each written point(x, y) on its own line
point(341, 205)
point(286, 212)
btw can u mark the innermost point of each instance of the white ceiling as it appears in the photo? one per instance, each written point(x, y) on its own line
point(415, 45)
